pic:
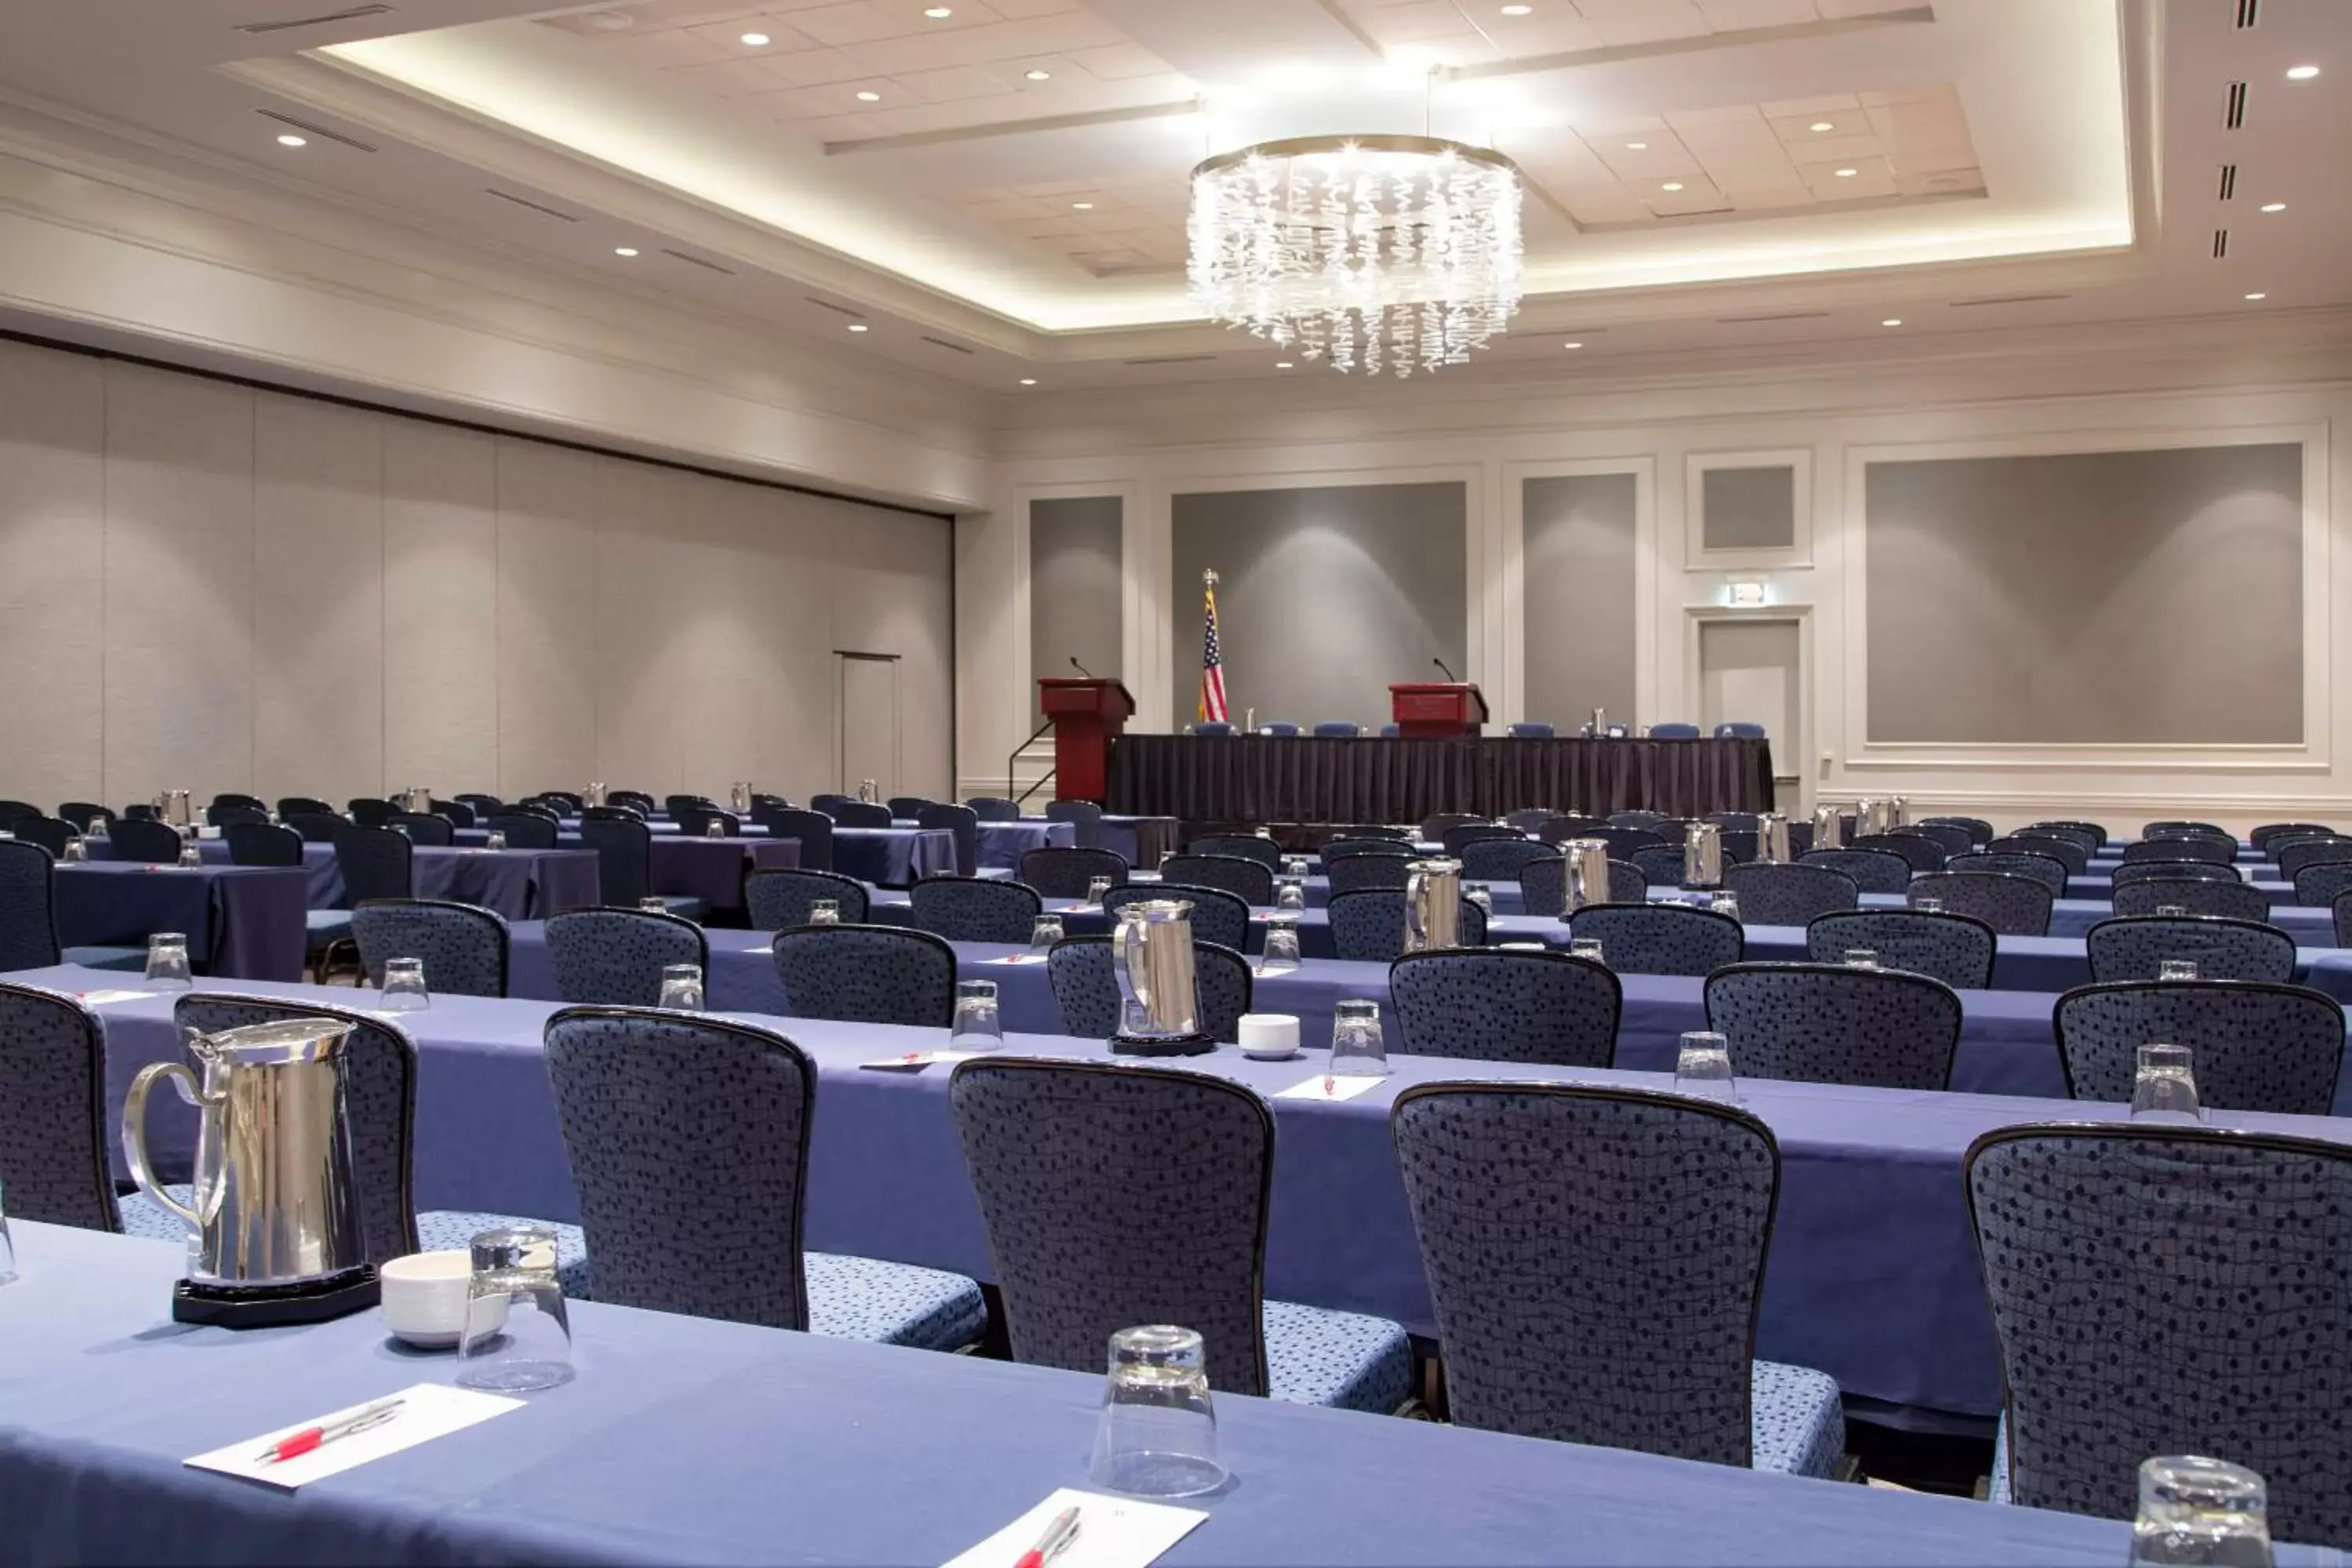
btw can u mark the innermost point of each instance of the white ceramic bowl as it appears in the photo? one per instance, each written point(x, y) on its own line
point(425, 1298)
point(1268, 1036)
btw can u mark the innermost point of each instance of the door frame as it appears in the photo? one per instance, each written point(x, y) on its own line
point(1695, 617)
point(841, 717)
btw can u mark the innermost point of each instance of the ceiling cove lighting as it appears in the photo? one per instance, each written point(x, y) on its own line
point(1671, 185)
point(1397, 253)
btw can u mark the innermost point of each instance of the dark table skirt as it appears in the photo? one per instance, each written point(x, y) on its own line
point(1264, 778)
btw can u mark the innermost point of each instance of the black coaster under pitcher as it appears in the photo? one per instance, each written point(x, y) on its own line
point(277, 1306)
point(1196, 1045)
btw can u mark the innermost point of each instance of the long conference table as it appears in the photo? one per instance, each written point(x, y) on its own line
point(686, 1440)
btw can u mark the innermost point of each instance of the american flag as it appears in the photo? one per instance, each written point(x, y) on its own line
point(1213, 664)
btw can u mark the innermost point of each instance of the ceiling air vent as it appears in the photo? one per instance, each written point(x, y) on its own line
point(1783, 316)
point(2229, 181)
point(2007, 299)
point(2221, 244)
point(836, 310)
point(951, 348)
point(544, 211)
point(313, 129)
point(348, 14)
point(2248, 13)
point(2234, 116)
point(698, 261)
point(1173, 359)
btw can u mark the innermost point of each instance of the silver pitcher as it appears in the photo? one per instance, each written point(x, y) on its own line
point(175, 806)
point(1600, 723)
point(739, 798)
point(1433, 905)
point(1874, 815)
point(1703, 854)
point(868, 791)
point(1898, 812)
point(417, 798)
point(273, 1206)
point(1829, 828)
point(1585, 876)
point(1151, 955)
point(1772, 838)
point(596, 795)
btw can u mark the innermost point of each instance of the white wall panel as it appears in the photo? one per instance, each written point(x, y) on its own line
point(52, 562)
point(891, 594)
point(440, 607)
point(547, 617)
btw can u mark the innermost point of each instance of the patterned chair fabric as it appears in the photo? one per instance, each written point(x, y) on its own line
point(994, 808)
point(1115, 1196)
point(524, 830)
point(1069, 873)
point(1955, 949)
point(262, 844)
point(2251, 1046)
point(423, 827)
point(1458, 838)
point(2280, 843)
point(1777, 894)
point(615, 957)
point(149, 843)
point(688, 1137)
point(677, 803)
point(464, 946)
point(1824, 1023)
point(2097, 831)
point(961, 821)
point(1555, 1219)
point(859, 814)
point(624, 867)
point(867, 974)
point(1660, 939)
point(1347, 848)
point(1085, 818)
point(482, 804)
point(1643, 819)
point(1953, 838)
point(2169, 1289)
point(976, 909)
point(51, 833)
point(1501, 859)
point(813, 828)
point(2205, 847)
point(2140, 871)
point(2086, 839)
point(2068, 852)
point(2046, 869)
point(2224, 896)
point(1979, 830)
point(1543, 885)
point(1369, 925)
point(53, 1121)
point(1623, 841)
point(369, 812)
point(1873, 870)
point(227, 816)
point(2132, 947)
point(695, 821)
point(780, 900)
point(2160, 830)
point(1217, 916)
point(1531, 730)
point(320, 828)
point(1661, 865)
point(1556, 830)
point(1246, 879)
point(1919, 850)
point(1674, 729)
point(1379, 832)
point(565, 798)
point(2293, 859)
point(1241, 846)
point(86, 816)
point(1082, 972)
point(909, 807)
point(1543, 1007)
point(2260, 838)
point(377, 863)
point(15, 810)
point(1357, 873)
point(1740, 821)
point(2012, 905)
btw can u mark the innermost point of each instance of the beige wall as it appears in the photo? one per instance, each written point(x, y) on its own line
point(209, 586)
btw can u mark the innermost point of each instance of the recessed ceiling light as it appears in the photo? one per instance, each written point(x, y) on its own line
point(1892, 321)
point(2301, 73)
point(1028, 381)
point(1039, 76)
point(758, 40)
point(2258, 295)
point(2273, 206)
point(1822, 125)
point(1671, 185)
point(290, 140)
point(1847, 173)
point(870, 98)
point(1284, 364)
point(1637, 146)
point(1082, 206)
point(938, 13)
point(1571, 346)
point(859, 327)
point(624, 250)
point(1516, 10)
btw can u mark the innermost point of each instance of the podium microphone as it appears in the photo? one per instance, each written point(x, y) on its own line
point(1449, 674)
point(1081, 669)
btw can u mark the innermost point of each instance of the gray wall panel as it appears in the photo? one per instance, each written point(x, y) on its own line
point(1074, 592)
point(1748, 509)
point(1577, 555)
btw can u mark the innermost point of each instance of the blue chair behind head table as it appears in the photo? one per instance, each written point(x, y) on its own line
point(464, 946)
point(1674, 729)
point(1660, 939)
point(51, 833)
point(867, 974)
point(1873, 870)
point(617, 955)
point(151, 843)
point(2306, 852)
point(52, 1121)
point(377, 863)
point(1827, 1023)
point(1979, 830)
point(2132, 947)
point(961, 821)
point(1217, 916)
point(1501, 859)
point(1338, 729)
point(1247, 845)
point(813, 829)
point(1955, 949)
point(1083, 973)
point(1212, 727)
point(1543, 885)
point(2203, 846)
point(624, 870)
point(2046, 869)
point(780, 900)
point(994, 808)
point(423, 828)
point(1067, 873)
point(2068, 852)
point(1248, 880)
point(1084, 817)
point(1920, 851)
point(1369, 925)
point(1339, 850)
point(1121, 1195)
point(1390, 731)
point(1790, 895)
point(976, 909)
point(1736, 730)
point(1543, 1007)
point(689, 1138)
point(2010, 904)
point(1356, 873)
point(2260, 838)
point(1554, 1219)
point(1531, 730)
point(2214, 896)
point(1280, 728)
point(2197, 1264)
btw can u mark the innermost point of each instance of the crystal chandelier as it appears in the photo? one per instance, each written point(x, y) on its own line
point(1394, 253)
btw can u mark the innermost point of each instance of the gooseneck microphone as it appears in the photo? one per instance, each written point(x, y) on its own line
point(1081, 669)
point(1449, 674)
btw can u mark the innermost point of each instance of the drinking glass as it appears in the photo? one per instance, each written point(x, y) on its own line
point(189, 854)
point(1587, 948)
point(497, 840)
point(1357, 1048)
point(2172, 912)
point(1295, 866)
point(1928, 906)
point(167, 962)
point(714, 828)
point(75, 849)
point(1098, 890)
point(2164, 1089)
point(1480, 894)
point(1280, 953)
point(1862, 958)
point(825, 911)
point(1290, 893)
point(1725, 904)
point(681, 987)
point(1044, 932)
point(1703, 1067)
point(517, 1335)
point(2198, 1511)
point(7, 1250)
point(978, 1025)
point(1157, 1435)
point(403, 986)
point(2175, 969)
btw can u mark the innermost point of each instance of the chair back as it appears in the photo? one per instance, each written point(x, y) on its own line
point(1539, 1008)
point(1083, 973)
point(779, 900)
point(524, 830)
point(1675, 730)
point(482, 806)
point(150, 843)
point(316, 826)
point(1433, 828)
point(2251, 1046)
point(86, 816)
point(1979, 830)
point(1543, 885)
point(2139, 870)
point(2135, 947)
point(2163, 829)
point(1058, 873)
point(1083, 815)
point(423, 827)
point(1336, 850)
point(2341, 911)
point(377, 863)
point(1500, 859)
point(2046, 869)
point(263, 844)
point(687, 1135)
point(2210, 848)
point(51, 833)
point(1955, 949)
point(1556, 1221)
point(1921, 851)
point(674, 804)
point(464, 946)
point(1529, 819)
point(1660, 939)
point(2012, 905)
point(961, 821)
point(1387, 832)
point(1661, 866)
point(859, 814)
point(813, 828)
point(2198, 1267)
point(2260, 838)
point(625, 860)
point(53, 1131)
point(619, 811)
point(1623, 841)
point(907, 807)
point(2068, 852)
point(1736, 730)
point(1250, 881)
point(1217, 916)
point(994, 808)
point(976, 909)
point(459, 814)
point(2224, 896)
point(1532, 730)
point(1120, 1195)
point(2296, 855)
point(1826, 1023)
point(695, 821)
point(568, 800)
point(224, 815)
point(29, 910)
point(1338, 730)
point(867, 974)
point(1790, 895)
point(1283, 728)
point(369, 812)
point(1456, 839)
point(1239, 846)
point(1871, 871)
point(1369, 925)
point(615, 956)
point(1636, 818)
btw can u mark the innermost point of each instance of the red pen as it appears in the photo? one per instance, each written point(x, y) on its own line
point(1058, 1535)
point(294, 1444)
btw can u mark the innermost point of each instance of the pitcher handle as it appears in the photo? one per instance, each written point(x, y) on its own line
point(134, 1134)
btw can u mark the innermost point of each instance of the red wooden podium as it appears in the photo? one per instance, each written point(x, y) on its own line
point(1432, 710)
point(1087, 715)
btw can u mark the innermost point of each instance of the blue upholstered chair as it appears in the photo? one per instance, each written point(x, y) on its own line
point(2134, 947)
point(1082, 972)
point(1674, 729)
point(2143, 870)
point(1543, 1007)
point(2224, 896)
point(976, 909)
point(1122, 1194)
point(2046, 869)
point(1346, 849)
point(376, 862)
point(1392, 731)
point(1543, 885)
point(1461, 836)
point(2012, 905)
point(1826, 1023)
point(2085, 838)
point(1660, 939)
point(482, 806)
point(1789, 895)
point(675, 803)
point(1249, 881)
point(370, 812)
point(1920, 851)
point(1646, 820)
point(2204, 1303)
point(1872, 871)
point(1357, 873)
point(2299, 855)
point(1280, 728)
point(867, 974)
point(1736, 729)
point(2340, 911)
point(695, 821)
point(2253, 1045)
point(1623, 841)
point(1217, 916)
point(88, 817)
point(1338, 729)
point(1433, 827)
point(1247, 845)
point(909, 807)
point(2097, 830)
point(459, 814)
point(994, 808)
point(1501, 859)
point(2161, 830)
point(1212, 727)
point(566, 801)
point(616, 956)
point(2260, 838)
point(225, 815)
point(1059, 873)
point(51, 833)
point(1559, 827)
point(1557, 1222)
point(813, 829)
point(1530, 818)
point(1958, 949)
point(961, 821)
point(624, 869)
point(1661, 865)
point(266, 843)
point(1084, 817)
point(524, 829)
point(2067, 851)
point(1531, 730)
point(423, 827)
point(688, 1138)
point(16, 810)
point(859, 814)
point(623, 811)
point(147, 843)
point(464, 946)
point(1369, 925)
point(1979, 830)
point(54, 1131)
point(2210, 848)
point(28, 922)
point(779, 900)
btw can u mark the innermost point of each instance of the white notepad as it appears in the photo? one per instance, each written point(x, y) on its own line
point(1330, 1087)
point(1113, 1532)
point(427, 1410)
point(1018, 958)
point(101, 998)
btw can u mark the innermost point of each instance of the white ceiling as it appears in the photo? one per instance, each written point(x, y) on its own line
point(2059, 158)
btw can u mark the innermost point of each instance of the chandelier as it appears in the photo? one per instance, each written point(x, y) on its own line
point(1396, 253)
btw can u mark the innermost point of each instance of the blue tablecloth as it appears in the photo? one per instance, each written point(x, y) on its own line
point(684, 1440)
point(326, 884)
point(711, 869)
point(521, 884)
point(1143, 840)
point(1002, 844)
point(893, 857)
point(250, 921)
